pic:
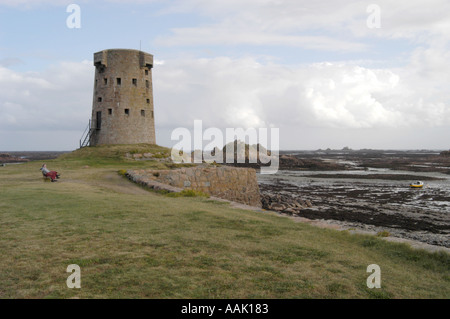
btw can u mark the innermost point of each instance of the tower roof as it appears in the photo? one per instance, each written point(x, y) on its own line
point(101, 57)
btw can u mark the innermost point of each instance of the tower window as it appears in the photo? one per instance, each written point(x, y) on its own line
point(119, 81)
point(146, 72)
point(127, 111)
point(99, 121)
point(99, 99)
point(147, 84)
point(142, 112)
point(105, 81)
point(134, 81)
point(148, 101)
point(95, 83)
point(109, 111)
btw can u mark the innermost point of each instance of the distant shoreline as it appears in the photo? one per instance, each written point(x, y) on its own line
point(399, 177)
point(26, 156)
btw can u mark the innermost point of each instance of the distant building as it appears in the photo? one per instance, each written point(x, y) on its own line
point(122, 107)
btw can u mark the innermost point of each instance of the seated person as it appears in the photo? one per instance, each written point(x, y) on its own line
point(47, 173)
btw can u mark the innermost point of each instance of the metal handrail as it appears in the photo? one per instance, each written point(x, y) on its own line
point(86, 136)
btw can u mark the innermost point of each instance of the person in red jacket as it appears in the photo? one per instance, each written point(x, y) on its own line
point(47, 173)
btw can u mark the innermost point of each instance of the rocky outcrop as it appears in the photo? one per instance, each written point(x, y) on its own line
point(293, 162)
point(236, 153)
point(284, 203)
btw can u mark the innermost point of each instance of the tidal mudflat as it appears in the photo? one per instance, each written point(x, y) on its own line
point(369, 198)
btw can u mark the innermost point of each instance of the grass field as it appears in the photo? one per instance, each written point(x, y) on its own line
point(132, 243)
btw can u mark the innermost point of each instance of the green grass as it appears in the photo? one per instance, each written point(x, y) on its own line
point(132, 243)
point(188, 193)
point(383, 233)
point(106, 155)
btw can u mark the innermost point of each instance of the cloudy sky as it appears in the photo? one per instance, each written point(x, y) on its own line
point(327, 73)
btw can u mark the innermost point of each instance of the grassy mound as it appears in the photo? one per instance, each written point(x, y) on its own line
point(112, 154)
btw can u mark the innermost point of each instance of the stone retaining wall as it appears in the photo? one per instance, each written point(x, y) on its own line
point(235, 184)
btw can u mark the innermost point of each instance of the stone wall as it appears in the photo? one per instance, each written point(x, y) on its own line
point(235, 184)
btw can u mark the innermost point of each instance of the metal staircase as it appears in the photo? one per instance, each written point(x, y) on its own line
point(86, 137)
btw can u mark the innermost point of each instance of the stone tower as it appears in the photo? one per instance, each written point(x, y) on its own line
point(122, 108)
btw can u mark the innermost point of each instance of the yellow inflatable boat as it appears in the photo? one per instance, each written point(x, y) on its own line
point(416, 185)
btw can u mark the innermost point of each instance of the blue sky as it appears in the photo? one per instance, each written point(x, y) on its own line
point(38, 35)
point(313, 69)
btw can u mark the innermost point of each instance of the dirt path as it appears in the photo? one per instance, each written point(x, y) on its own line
point(108, 179)
point(119, 184)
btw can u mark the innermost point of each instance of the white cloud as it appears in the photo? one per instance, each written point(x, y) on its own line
point(224, 35)
point(322, 24)
point(242, 92)
point(57, 98)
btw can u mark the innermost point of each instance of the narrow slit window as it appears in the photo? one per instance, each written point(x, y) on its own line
point(119, 81)
point(134, 81)
point(105, 81)
point(146, 72)
point(99, 120)
point(147, 84)
point(109, 111)
point(148, 101)
point(127, 111)
point(142, 112)
point(99, 99)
